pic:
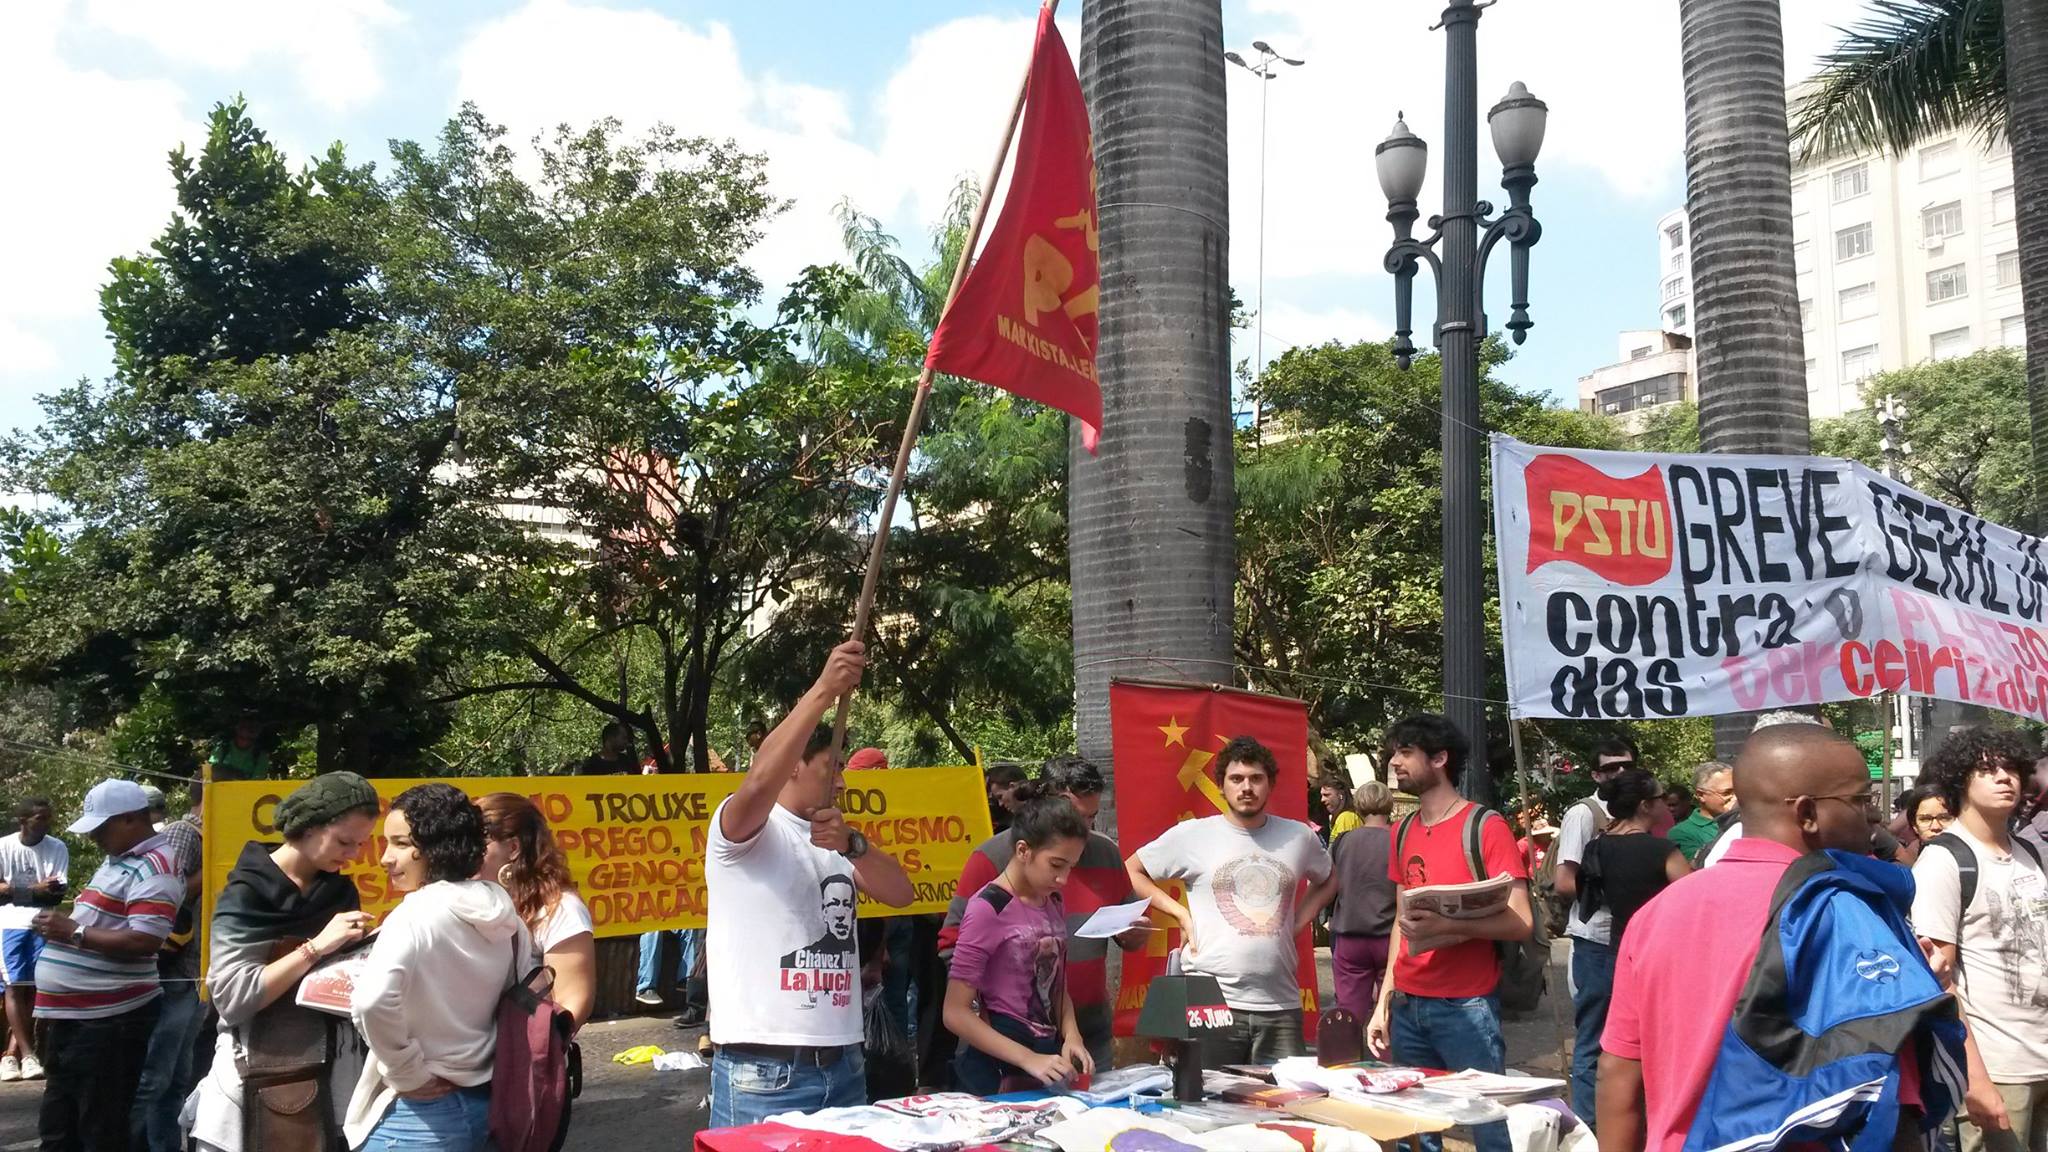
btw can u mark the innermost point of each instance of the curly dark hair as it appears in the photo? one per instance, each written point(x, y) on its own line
point(1949, 769)
point(1245, 750)
point(1431, 733)
point(447, 828)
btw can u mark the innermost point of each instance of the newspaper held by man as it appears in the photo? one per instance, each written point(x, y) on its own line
point(1470, 901)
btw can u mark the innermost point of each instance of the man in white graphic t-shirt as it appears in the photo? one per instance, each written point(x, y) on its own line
point(1980, 907)
point(34, 868)
point(782, 870)
point(1245, 871)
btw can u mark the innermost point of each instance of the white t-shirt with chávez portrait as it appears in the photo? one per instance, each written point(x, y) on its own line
point(2002, 952)
point(25, 865)
point(785, 967)
point(1242, 884)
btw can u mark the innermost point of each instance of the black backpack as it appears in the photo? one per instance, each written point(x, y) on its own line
point(1966, 865)
point(1524, 964)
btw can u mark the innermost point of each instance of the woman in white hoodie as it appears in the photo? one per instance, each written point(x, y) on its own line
point(427, 1000)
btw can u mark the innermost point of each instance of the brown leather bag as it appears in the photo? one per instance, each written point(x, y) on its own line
point(284, 1056)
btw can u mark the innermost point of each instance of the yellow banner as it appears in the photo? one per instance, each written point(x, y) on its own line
point(635, 844)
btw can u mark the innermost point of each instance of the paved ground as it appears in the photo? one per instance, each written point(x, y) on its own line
point(637, 1107)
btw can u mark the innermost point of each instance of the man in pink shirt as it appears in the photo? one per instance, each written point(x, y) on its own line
point(1800, 789)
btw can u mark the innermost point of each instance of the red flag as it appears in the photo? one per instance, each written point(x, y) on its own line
point(1164, 738)
point(1025, 319)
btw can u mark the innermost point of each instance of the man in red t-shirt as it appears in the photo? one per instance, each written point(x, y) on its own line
point(1438, 1009)
point(1800, 788)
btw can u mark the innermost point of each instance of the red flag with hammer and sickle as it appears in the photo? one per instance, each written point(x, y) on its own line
point(1025, 319)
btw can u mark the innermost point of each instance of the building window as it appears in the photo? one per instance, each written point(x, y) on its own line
point(2007, 272)
point(1948, 283)
point(1859, 363)
point(1802, 255)
point(1942, 221)
point(1812, 368)
point(1852, 182)
point(1851, 243)
point(2001, 205)
point(1674, 318)
point(2001, 145)
point(1674, 288)
point(1856, 300)
point(1666, 389)
point(1639, 353)
point(2012, 332)
point(1675, 236)
point(1940, 160)
point(1949, 345)
point(1806, 314)
point(1677, 261)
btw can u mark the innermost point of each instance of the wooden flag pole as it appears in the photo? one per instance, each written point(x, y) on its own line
point(924, 387)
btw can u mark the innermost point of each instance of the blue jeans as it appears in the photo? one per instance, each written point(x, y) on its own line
point(167, 1076)
point(457, 1122)
point(747, 1089)
point(650, 953)
point(1454, 1035)
point(1592, 988)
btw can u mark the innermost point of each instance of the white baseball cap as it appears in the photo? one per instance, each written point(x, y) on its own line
point(108, 799)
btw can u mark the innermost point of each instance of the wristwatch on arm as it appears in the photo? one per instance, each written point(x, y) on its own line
point(856, 845)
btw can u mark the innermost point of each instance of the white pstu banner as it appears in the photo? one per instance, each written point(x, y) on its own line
point(1639, 585)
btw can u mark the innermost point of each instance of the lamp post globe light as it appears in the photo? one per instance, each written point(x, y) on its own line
point(1462, 240)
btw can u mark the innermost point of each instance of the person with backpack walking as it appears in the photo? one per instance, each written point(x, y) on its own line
point(1441, 1009)
point(1769, 1001)
point(1982, 910)
point(1592, 936)
point(1621, 869)
point(521, 855)
point(1363, 917)
point(1244, 870)
point(427, 999)
point(285, 909)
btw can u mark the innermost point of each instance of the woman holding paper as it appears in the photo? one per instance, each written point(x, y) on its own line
point(284, 910)
point(1006, 997)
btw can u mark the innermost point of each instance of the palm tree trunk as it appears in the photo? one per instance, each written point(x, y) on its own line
point(1746, 329)
point(2026, 99)
point(1150, 536)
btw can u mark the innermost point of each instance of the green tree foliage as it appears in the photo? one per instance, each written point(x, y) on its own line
point(1967, 422)
point(971, 624)
point(1339, 530)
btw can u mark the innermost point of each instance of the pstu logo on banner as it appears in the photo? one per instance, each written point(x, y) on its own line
point(1617, 528)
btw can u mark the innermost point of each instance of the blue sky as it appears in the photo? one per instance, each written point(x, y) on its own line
point(886, 103)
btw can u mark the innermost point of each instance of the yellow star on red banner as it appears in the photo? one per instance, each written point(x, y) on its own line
point(1176, 732)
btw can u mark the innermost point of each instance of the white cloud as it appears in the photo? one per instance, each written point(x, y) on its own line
point(101, 188)
point(329, 46)
point(933, 120)
point(1610, 73)
point(22, 352)
point(1293, 323)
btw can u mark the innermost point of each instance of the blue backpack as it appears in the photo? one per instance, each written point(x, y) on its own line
point(1838, 988)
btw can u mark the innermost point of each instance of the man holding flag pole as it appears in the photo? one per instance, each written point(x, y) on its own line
point(1022, 317)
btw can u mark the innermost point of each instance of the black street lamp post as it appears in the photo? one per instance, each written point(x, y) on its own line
point(1462, 240)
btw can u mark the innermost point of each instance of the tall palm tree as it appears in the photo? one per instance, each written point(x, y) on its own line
point(1920, 68)
point(1152, 552)
point(1746, 330)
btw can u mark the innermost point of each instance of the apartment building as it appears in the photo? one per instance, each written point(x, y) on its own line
point(1901, 260)
point(1652, 367)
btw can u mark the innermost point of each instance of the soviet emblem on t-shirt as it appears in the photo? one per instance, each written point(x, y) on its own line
point(1252, 893)
point(824, 970)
